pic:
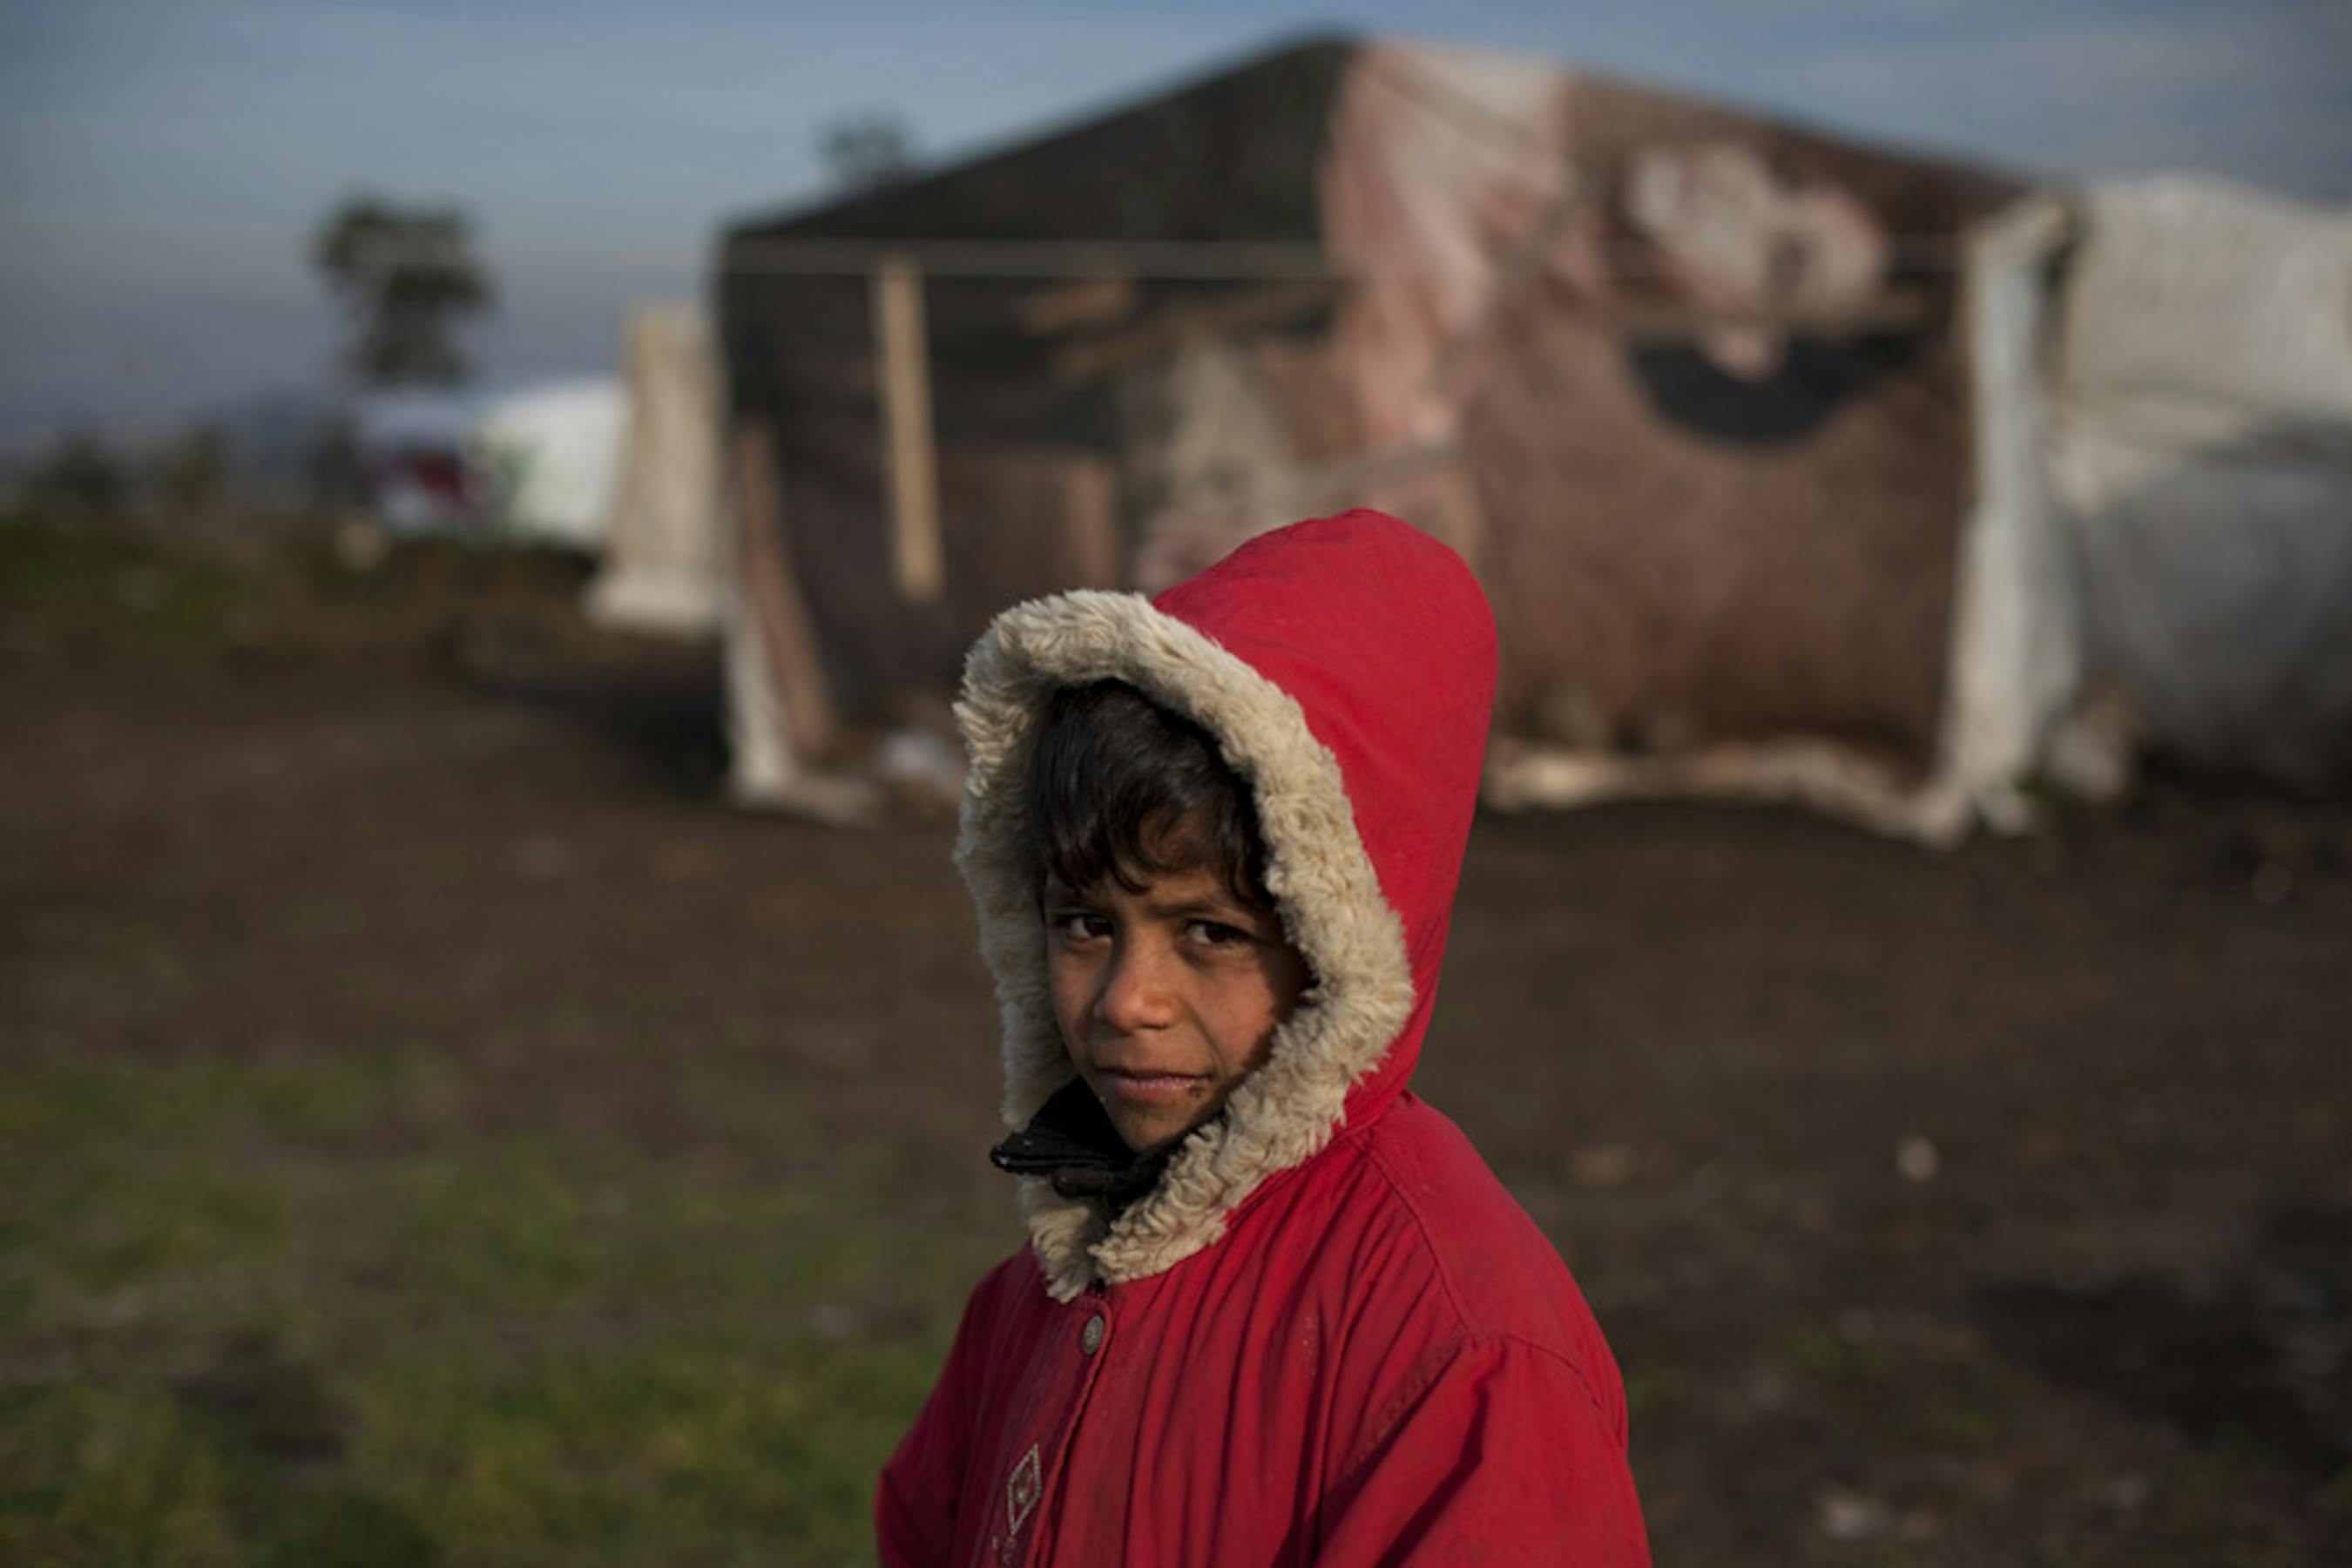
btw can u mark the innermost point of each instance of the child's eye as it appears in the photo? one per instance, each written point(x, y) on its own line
point(1216, 933)
point(1078, 925)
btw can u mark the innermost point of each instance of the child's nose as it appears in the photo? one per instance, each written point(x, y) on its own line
point(1138, 991)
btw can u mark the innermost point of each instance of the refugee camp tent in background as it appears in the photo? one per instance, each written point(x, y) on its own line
point(1682, 384)
point(550, 452)
point(2201, 453)
point(1745, 428)
point(660, 566)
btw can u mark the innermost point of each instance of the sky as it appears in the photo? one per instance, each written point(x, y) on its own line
point(163, 162)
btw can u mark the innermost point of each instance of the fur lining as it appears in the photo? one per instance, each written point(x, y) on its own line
point(1321, 878)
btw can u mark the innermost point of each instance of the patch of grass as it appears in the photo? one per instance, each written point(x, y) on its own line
point(127, 1201)
point(1834, 1358)
point(257, 1313)
point(176, 1104)
point(66, 583)
point(98, 1474)
point(501, 1228)
point(674, 1446)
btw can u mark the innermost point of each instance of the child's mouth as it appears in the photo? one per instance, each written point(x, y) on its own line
point(1150, 1088)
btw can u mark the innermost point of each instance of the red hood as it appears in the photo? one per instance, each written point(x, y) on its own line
point(1346, 667)
point(1386, 642)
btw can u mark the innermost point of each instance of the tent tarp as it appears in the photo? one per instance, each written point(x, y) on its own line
point(2201, 450)
point(553, 452)
point(660, 571)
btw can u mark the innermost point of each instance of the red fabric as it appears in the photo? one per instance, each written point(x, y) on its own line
point(1383, 1361)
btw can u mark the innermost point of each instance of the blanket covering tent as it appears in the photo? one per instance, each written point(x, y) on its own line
point(1680, 383)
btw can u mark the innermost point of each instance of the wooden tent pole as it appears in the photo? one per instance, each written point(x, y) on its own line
point(787, 638)
point(901, 343)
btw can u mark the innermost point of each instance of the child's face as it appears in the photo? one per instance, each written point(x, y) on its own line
point(1166, 998)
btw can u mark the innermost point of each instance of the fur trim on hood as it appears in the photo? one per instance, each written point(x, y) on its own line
point(1346, 666)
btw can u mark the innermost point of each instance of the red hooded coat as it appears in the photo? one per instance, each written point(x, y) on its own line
point(1327, 1335)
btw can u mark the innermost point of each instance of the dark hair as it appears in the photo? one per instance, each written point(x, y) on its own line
point(1120, 786)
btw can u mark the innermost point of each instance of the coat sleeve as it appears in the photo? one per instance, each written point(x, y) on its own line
point(1497, 1455)
point(922, 1489)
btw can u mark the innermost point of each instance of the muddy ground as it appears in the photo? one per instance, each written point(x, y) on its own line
point(1985, 1207)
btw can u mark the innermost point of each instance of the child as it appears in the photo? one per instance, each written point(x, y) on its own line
point(1274, 1309)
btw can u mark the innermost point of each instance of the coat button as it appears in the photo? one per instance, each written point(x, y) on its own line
point(1090, 1338)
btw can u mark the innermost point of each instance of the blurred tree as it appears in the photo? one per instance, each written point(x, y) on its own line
point(78, 473)
point(334, 470)
point(406, 275)
point(193, 471)
point(867, 149)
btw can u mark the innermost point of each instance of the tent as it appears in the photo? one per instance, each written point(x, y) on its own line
point(1748, 430)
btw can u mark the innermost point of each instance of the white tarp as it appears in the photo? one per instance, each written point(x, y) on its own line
point(2202, 291)
point(660, 571)
point(553, 452)
point(2202, 448)
point(2016, 638)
